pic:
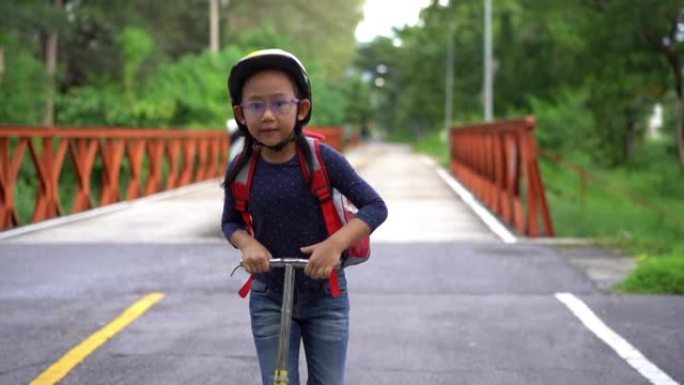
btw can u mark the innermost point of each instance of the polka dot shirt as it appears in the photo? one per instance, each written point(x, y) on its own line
point(287, 216)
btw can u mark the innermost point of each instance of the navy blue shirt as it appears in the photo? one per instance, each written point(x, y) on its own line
point(287, 216)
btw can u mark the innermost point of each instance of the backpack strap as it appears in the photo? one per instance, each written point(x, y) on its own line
point(320, 185)
point(242, 189)
point(322, 188)
point(314, 134)
point(246, 287)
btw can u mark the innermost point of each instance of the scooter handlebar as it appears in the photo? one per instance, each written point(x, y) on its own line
point(278, 262)
point(282, 262)
point(298, 263)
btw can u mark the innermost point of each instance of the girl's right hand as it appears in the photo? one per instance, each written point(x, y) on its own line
point(255, 257)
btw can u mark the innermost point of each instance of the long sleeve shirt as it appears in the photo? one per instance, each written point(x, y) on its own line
point(287, 216)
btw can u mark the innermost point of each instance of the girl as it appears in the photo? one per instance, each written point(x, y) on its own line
point(272, 101)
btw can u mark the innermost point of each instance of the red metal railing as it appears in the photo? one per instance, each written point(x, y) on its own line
point(334, 136)
point(498, 163)
point(153, 160)
point(171, 159)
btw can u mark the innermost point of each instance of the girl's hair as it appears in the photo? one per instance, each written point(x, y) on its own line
point(248, 151)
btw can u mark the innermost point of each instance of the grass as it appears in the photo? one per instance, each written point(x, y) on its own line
point(661, 275)
point(638, 209)
point(603, 211)
point(433, 144)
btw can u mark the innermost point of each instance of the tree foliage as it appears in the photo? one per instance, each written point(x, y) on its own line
point(22, 84)
point(145, 63)
point(324, 29)
point(608, 60)
point(590, 70)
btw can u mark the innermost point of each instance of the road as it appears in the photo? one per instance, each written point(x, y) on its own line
point(443, 301)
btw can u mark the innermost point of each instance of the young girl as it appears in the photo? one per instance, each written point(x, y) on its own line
point(272, 101)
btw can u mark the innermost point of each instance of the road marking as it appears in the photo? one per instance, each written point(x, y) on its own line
point(490, 220)
point(624, 349)
point(76, 355)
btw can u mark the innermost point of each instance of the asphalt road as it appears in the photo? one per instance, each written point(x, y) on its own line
point(443, 300)
point(432, 313)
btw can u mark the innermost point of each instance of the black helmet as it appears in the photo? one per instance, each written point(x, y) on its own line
point(267, 59)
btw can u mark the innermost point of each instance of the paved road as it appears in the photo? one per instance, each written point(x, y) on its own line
point(432, 307)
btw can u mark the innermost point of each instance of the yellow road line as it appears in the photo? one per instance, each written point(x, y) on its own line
point(76, 355)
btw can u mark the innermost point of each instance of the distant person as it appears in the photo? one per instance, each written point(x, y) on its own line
point(365, 132)
point(272, 102)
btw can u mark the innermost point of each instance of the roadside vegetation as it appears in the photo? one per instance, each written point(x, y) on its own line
point(636, 209)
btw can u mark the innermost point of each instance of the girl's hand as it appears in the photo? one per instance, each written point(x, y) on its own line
point(255, 257)
point(324, 257)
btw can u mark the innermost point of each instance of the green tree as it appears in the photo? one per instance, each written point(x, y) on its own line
point(22, 75)
point(22, 84)
point(324, 29)
point(611, 59)
point(623, 72)
point(663, 29)
point(411, 100)
point(381, 60)
point(142, 62)
point(359, 107)
point(136, 45)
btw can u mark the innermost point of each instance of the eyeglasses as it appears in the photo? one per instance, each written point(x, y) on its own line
point(258, 107)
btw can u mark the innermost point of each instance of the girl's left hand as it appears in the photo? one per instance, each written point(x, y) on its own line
point(324, 257)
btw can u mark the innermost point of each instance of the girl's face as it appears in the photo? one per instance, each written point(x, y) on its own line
point(270, 107)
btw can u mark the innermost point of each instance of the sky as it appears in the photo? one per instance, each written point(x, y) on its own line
point(381, 15)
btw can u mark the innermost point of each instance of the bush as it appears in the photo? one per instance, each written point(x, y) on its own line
point(94, 105)
point(22, 85)
point(657, 275)
point(189, 92)
point(563, 124)
point(435, 144)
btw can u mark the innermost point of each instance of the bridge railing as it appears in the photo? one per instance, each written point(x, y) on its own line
point(153, 160)
point(498, 162)
point(82, 168)
point(334, 136)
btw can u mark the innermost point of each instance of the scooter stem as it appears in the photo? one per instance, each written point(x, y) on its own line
point(285, 325)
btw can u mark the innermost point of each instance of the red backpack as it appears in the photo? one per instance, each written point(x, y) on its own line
point(336, 208)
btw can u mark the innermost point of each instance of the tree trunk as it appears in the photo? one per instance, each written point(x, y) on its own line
point(51, 67)
point(680, 121)
point(680, 133)
point(631, 137)
point(214, 26)
point(2, 62)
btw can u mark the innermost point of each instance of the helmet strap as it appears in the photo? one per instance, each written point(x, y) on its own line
point(280, 146)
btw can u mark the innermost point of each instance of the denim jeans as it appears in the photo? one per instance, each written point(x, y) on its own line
point(320, 321)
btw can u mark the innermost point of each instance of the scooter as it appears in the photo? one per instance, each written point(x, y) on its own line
point(290, 264)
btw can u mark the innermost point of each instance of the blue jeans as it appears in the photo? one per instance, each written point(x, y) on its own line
point(320, 321)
